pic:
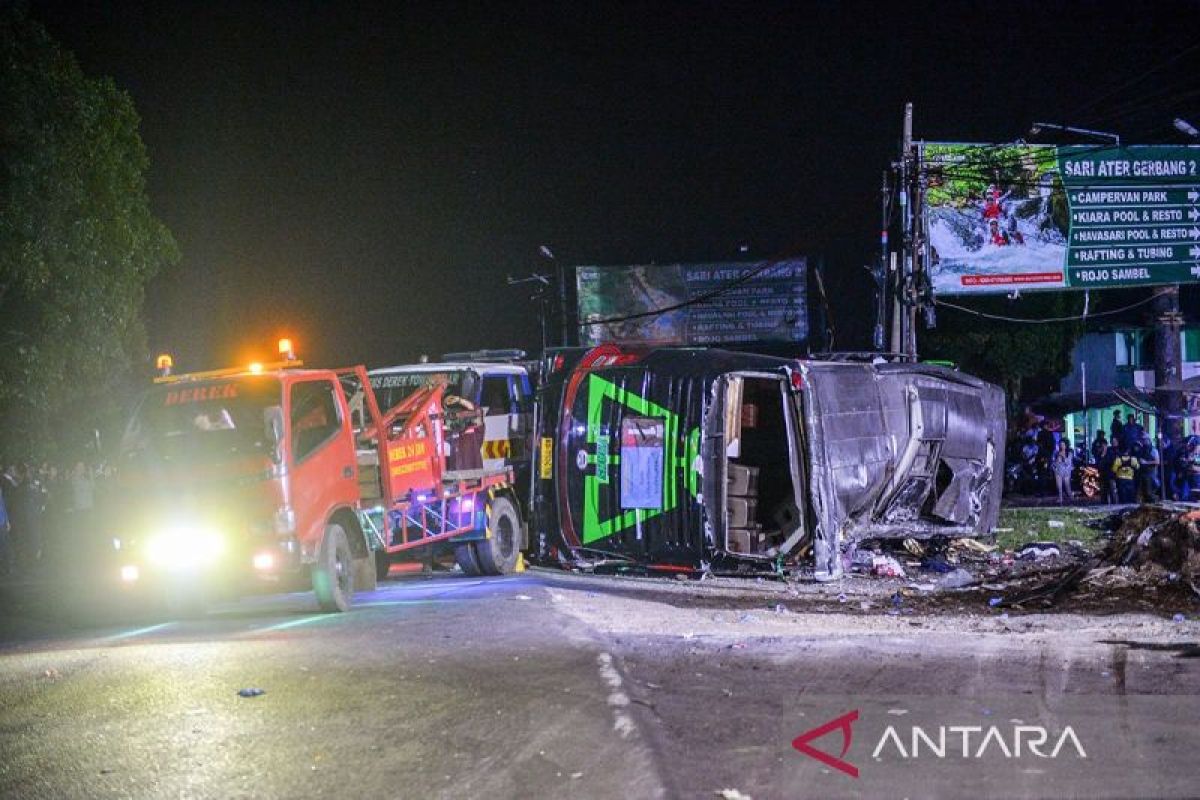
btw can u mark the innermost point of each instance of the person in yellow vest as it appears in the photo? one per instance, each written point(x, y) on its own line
point(1125, 468)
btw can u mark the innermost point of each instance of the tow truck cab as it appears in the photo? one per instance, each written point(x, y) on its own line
point(241, 475)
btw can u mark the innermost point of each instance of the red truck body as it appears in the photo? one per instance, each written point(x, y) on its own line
point(254, 475)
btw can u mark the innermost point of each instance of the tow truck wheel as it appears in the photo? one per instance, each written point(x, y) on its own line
point(383, 563)
point(467, 560)
point(500, 552)
point(333, 574)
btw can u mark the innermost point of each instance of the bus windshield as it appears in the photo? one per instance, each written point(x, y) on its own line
point(392, 388)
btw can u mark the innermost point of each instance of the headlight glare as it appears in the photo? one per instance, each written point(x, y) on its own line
point(185, 547)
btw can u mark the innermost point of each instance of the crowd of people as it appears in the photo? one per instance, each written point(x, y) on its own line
point(38, 504)
point(1123, 464)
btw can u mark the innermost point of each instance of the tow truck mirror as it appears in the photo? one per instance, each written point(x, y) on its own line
point(273, 424)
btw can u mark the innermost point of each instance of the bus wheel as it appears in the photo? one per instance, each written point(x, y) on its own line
point(500, 552)
point(333, 574)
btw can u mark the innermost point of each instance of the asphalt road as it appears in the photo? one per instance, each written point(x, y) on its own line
point(551, 685)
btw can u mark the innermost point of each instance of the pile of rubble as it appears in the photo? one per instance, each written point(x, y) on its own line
point(1151, 546)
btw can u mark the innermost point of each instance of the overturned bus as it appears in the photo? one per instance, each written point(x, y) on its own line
point(692, 458)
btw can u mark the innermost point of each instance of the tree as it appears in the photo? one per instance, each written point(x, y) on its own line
point(1011, 354)
point(77, 243)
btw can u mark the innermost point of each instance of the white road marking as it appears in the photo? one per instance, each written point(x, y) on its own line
point(622, 722)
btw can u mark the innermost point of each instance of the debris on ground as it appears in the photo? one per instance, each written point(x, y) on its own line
point(1150, 546)
point(1036, 551)
point(251, 692)
point(887, 567)
point(956, 579)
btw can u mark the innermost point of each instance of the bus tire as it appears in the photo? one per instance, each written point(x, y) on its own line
point(500, 553)
point(333, 574)
point(467, 560)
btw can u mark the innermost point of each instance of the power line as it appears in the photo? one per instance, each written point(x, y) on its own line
point(1135, 79)
point(1047, 320)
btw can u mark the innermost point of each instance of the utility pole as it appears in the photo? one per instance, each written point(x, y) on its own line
point(880, 272)
point(905, 305)
point(1168, 361)
point(560, 274)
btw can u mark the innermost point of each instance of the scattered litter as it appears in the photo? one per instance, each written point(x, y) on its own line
point(865, 605)
point(914, 547)
point(522, 597)
point(923, 587)
point(52, 674)
point(780, 608)
point(1055, 523)
point(1002, 530)
point(732, 794)
point(576, 776)
point(995, 601)
point(737, 646)
point(841, 598)
point(1036, 551)
point(897, 712)
point(956, 579)
point(936, 564)
point(886, 567)
point(1179, 618)
point(251, 692)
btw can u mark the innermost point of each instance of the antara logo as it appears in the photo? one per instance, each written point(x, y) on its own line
point(942, 742)
point(842, 723)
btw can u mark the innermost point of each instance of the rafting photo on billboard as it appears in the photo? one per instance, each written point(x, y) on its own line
point(997, 216)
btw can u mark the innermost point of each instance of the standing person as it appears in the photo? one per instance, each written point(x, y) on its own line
point(1148, 459)
point(1062, 465)
point(1169, 457)
point(1099, 446)
point(1104, 464)
point(1115, 430)
point(1125, 468)
point(33, 502)
point(1192, 471)
point(1132, 433)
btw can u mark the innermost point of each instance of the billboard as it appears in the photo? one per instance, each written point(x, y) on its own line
point(694, 304)
point(1004, 217)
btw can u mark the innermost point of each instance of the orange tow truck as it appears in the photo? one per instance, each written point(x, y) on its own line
point(272, 473)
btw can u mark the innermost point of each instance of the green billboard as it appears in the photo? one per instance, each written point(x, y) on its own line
point(1005, 217)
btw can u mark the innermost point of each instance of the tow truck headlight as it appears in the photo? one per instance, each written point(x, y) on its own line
point(185, 547)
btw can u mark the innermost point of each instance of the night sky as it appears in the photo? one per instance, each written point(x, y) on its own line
point(364, 176)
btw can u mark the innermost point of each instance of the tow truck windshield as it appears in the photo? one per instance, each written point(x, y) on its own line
point(202, 420)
